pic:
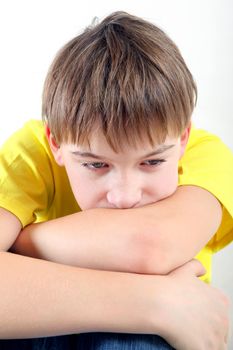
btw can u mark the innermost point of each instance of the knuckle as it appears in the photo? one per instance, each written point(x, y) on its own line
point(226, 321)
point(227, 300)
point(224, 298)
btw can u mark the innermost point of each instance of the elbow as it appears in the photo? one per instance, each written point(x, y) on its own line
point(153, 256)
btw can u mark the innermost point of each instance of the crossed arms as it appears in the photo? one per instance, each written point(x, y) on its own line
point(154, 239)
point(43, 298)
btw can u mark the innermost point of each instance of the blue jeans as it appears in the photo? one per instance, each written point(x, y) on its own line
point(89, 341)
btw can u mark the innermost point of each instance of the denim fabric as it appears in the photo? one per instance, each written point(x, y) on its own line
point(89, 341)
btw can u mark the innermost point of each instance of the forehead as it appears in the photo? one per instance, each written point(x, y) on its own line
point(98, 145)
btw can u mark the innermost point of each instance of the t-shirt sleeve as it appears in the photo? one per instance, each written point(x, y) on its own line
point(208, 163)
point(26, 181)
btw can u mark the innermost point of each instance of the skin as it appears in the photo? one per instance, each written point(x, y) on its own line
point(207, 332)
point(134, 186)
point(131, 178)
point(140, 307)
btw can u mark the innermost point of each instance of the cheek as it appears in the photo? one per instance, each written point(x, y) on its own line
point(85, 194)
point(168, 182)
point(86, 191)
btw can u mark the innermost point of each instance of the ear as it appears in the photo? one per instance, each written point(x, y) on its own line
point(184, 139)
point(55, 148)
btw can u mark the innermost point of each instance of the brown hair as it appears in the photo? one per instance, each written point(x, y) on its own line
point(124, 75)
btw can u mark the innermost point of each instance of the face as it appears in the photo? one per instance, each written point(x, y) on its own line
point(134, 177)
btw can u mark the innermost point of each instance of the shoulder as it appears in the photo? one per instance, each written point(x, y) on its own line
point(28, 148)
point(208, 164)
point(26, 178)
point(208, 142)
point(27, 137)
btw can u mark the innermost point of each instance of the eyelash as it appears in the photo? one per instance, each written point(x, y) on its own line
point(155, 162)
point(94, 166)
point(91, 166)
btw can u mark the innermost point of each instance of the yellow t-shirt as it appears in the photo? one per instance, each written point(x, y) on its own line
point(208, 163)
point(36, 189)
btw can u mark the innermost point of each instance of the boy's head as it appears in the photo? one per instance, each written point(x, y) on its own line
point(119, 88)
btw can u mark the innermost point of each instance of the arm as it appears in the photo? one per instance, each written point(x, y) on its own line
point(41, 298)
point(151, 239)
point(146, 304)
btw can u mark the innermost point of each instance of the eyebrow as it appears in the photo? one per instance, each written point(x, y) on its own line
point(160, 150)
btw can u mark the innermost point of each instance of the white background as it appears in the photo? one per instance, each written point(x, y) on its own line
point(31, 32)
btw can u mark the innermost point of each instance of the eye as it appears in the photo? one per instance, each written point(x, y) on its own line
point(95, 165)
point(153, 162)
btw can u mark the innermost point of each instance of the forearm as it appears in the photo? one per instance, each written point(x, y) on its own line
point(153, 239)
point(97, 239)
point(40, 298)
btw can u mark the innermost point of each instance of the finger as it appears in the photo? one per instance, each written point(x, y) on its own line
point(228, 336)
point(194, 266)
point(224, 347)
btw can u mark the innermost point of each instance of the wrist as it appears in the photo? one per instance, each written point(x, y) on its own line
point(134, 303)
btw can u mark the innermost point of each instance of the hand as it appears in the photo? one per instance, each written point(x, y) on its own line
point(196, 314)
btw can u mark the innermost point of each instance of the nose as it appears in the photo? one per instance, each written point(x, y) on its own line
point(124, 196)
